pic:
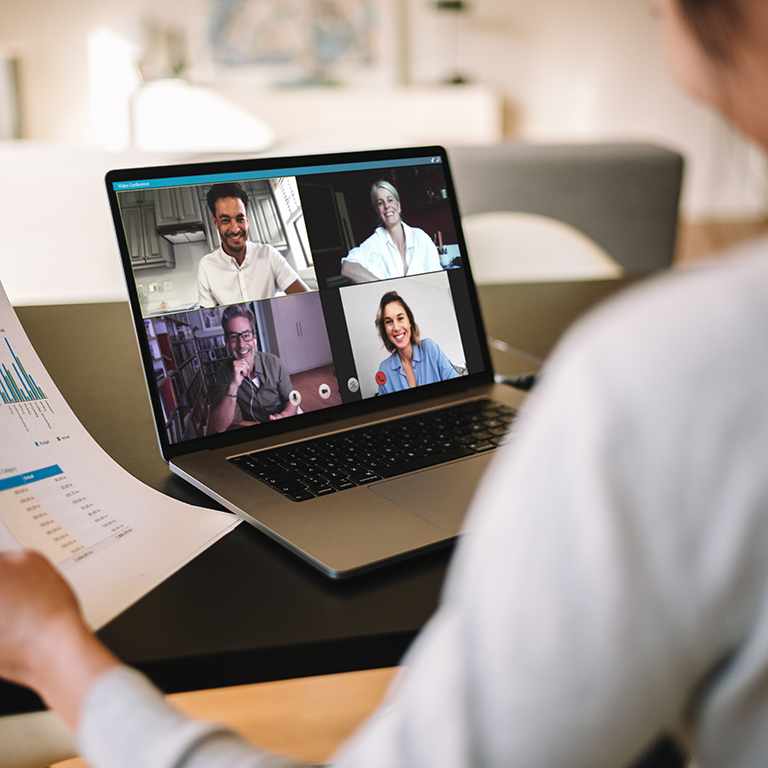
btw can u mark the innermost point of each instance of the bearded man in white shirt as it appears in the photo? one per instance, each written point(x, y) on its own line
point(240, 270)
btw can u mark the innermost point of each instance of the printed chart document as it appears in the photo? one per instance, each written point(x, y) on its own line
point(112, 537)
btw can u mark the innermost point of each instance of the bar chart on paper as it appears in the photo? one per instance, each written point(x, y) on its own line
point(45, 510)
point(22, 399)
point(16, 385)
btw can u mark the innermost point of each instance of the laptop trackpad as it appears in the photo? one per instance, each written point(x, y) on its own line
point(440, 495)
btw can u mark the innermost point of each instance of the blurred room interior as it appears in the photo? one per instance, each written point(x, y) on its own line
point(120, 79)
point(120, 76)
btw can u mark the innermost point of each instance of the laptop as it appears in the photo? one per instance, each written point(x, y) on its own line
point(313, 345)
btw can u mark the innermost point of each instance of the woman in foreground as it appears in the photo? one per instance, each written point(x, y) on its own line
point(624, 595)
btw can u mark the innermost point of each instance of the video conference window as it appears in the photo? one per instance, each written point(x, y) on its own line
point(378, 224)
point(403, 333)
point(216, 244)
point(229, 367)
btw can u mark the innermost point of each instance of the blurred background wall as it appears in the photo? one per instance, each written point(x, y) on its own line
point(553, 70)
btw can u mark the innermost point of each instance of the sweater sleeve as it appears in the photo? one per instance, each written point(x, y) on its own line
point(128, 723)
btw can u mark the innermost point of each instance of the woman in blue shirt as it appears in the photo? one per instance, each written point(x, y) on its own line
point(413, 361)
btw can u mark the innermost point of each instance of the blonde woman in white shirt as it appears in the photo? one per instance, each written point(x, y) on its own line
point(394, 249)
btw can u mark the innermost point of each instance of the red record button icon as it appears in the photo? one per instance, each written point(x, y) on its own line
point(381, 378)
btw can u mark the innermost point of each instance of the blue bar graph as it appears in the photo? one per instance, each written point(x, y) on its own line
point(16, 385)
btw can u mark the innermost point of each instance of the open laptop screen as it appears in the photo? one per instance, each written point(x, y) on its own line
point(274, 289)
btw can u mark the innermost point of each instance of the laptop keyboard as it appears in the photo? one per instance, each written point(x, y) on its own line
point(306, 470)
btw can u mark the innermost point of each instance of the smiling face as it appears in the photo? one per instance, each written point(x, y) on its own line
point(387, 207)
point(397, 326)
point(239, 348)
point(231, 220)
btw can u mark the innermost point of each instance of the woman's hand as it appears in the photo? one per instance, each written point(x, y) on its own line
point(44, 642)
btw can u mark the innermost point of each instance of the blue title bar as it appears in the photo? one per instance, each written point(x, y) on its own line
point(182, 181)
point(30, 477)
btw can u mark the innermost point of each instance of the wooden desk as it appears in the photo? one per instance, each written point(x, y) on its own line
point(246, 610)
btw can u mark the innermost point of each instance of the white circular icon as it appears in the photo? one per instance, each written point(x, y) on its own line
point(325, 391)
point(353, 384)
point(295, 397)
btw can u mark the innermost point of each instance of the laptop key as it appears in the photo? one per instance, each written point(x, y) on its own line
point(289, 486)
point(313, 482)
point(301, 495)
point(483, 445)
point(374, 465)
point(254, 469)
point(333, 474)
point(342, 485)
point(364, 477)
point(281, 477)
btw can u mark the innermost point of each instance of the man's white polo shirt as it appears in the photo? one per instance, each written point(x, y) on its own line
point(262, 274)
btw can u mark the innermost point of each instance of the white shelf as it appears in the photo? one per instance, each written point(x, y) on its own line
point(327, 119)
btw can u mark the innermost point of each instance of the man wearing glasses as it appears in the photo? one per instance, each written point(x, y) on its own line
point(253, 382)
